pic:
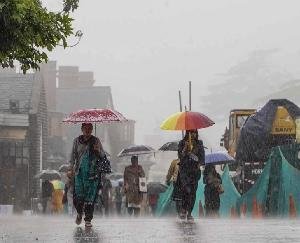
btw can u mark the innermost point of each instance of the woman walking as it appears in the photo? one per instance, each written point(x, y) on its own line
point(86, 153)
point(191, 155)
point(213, 189)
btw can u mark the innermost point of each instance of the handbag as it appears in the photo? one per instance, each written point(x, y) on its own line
point(142, 184)
point(103, 166)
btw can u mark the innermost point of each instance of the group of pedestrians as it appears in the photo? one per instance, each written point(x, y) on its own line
point(87, 178)
point(185, 172)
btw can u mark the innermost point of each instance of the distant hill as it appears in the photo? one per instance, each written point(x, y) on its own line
point(289, 90)
point(244, 84)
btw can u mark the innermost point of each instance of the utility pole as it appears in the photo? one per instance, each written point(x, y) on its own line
point(180, 102)
point(190, 95)
point(180, 108)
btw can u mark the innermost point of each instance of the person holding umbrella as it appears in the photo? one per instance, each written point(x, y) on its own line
point(213, 189)
point(87, 150)
point(134, 196)
point(172, 178)
point(213, 182)
point(47, 189)
point(191, 155)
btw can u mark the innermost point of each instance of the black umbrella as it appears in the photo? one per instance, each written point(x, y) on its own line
point(170, 146)
point(156, 188)
point(48, 175)
point(136, 150)
point(64, 168)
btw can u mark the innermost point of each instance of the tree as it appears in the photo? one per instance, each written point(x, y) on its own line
point(28, 30)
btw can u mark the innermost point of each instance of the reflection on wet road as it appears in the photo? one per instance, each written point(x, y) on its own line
point(63, 229)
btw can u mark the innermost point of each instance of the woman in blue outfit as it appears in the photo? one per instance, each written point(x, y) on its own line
point(86, 152)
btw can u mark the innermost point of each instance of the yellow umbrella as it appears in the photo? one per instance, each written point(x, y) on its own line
point(58, 185)
point(186, 120)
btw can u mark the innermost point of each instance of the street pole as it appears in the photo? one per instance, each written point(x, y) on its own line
point(180, 108)
point(180, 103)
point(190, 95)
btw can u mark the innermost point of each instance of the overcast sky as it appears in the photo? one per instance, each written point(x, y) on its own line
point(148, 50)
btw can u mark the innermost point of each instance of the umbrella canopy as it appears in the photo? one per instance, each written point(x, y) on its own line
point(187, 120)
point(48, 175)
point(115, 176)
point(156, 188)
point(136, 150)
point(58, 184)
point(95, 115)
point(169, 146)
point(218, 158)
point(64, 168)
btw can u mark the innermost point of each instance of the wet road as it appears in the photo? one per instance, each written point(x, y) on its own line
point(62, 229)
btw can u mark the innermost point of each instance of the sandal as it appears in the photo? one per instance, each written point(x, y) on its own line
point(88, 224)
point(78, 219)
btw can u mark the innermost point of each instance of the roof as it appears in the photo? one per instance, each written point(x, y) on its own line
point(23, 88)
point(69, 100)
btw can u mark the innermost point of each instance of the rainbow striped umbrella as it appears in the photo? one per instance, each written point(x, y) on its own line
point(187, 120)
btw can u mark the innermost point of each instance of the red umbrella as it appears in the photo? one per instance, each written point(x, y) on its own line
point(95, 116)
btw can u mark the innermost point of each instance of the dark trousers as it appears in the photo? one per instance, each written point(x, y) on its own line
point(135, 211)
point(178, 206)
point(189, 197)
point(44, 203)
point(106, 207)
point(212, 201)
point(87, 208)
point(153, 209)
point(118, 207)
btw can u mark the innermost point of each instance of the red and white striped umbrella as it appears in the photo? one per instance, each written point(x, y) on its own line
point(95, 115)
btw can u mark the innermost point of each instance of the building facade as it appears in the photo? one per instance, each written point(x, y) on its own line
point(23, 136)
point(75, 91)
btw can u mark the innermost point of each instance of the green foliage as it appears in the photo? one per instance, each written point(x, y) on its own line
point(28, 30)
point(70, 5)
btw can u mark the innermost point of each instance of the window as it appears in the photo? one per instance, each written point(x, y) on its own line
point(14, 106)
point(240, 120)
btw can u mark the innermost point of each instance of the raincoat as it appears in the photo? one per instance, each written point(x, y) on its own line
point(57, 196)
point(172, 172)
point(131, 182)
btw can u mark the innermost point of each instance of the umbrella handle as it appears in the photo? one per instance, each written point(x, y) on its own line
point(190, 142)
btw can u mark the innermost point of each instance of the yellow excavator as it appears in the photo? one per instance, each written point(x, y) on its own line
point(237, 118)
point(283, 126)
point(283, 129)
